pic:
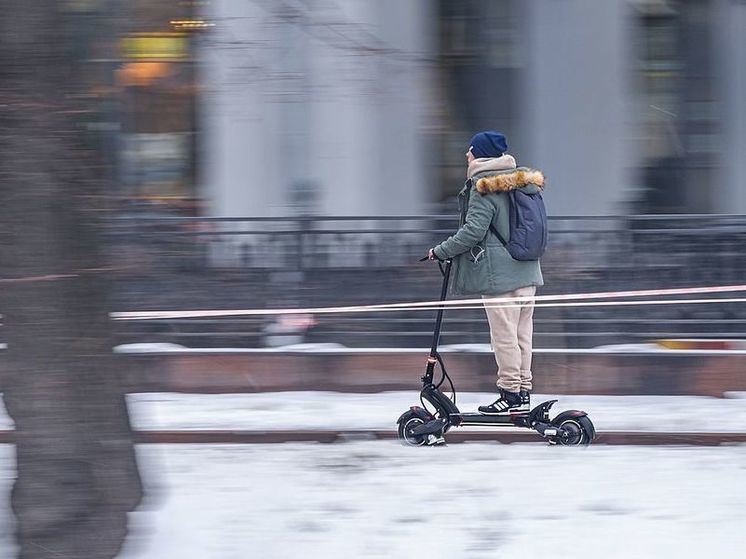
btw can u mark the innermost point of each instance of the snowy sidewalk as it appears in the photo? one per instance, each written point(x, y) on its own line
point(343, 411)
point(352, 412)
point(378, 499)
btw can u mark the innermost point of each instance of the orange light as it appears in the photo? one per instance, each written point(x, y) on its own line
point(142, 73)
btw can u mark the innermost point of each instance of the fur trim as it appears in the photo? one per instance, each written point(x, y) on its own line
point(510, 181)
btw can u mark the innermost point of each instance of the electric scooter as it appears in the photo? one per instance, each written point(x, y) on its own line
point(420, 427)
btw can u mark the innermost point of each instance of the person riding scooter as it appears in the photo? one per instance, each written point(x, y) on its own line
point(484, 266)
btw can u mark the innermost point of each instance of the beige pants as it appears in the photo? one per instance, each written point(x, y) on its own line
point(511, 333)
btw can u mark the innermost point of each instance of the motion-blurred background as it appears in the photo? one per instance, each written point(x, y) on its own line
point(266, 154)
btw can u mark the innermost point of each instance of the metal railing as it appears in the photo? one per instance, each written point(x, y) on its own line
point(187, 263)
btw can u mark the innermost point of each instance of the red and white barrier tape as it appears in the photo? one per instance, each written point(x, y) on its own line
point(575, 299)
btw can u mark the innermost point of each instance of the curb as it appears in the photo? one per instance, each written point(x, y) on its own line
point(644, 438)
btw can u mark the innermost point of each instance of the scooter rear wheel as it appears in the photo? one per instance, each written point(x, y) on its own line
point(579, 431)
point(409, 422)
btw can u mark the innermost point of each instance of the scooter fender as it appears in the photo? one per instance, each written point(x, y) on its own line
point(420, 412)
point(569, 414)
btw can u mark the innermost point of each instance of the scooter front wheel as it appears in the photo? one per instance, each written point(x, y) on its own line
point(407, 423)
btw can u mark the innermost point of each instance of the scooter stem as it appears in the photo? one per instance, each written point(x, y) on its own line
point(439, 318)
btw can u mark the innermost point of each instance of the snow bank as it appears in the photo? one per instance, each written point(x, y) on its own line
point(343, 411)
point(332, 410)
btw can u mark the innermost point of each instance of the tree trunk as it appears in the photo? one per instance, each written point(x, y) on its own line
point(77, 476)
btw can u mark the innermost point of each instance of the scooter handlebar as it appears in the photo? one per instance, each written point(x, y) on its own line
point(427, 257)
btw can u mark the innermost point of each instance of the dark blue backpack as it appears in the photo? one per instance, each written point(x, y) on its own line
point(528, 226)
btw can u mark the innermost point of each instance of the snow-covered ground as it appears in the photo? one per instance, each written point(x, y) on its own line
point(340, 411)
point(478, 500)
point(378, 499)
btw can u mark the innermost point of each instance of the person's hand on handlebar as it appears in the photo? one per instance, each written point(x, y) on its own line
point(430, 256)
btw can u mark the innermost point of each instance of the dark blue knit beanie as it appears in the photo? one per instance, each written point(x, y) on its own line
point(488, 144)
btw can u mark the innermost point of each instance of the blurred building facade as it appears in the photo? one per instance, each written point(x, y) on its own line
point(306, 108)
point(629, 106)
point(364, 108)
point(317, 107)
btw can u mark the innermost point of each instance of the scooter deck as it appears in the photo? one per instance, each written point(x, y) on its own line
point(511, 420)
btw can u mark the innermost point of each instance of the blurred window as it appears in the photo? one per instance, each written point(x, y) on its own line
point(660, 68)
point(158, 88)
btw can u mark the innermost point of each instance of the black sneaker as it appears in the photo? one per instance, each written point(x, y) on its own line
point(508, 402)
point(525, 399)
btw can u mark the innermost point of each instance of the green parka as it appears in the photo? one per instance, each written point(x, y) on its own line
point(481, 264)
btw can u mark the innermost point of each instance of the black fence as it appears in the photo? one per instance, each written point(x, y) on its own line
point(241, 263)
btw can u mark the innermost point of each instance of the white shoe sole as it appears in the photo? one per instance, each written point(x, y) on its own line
point(511, 411)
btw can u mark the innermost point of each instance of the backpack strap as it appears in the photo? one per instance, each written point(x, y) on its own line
point(494, 229)
point(498, 235)
point(470, 184)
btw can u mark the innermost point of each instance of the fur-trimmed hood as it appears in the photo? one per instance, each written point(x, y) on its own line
point(510, 180)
